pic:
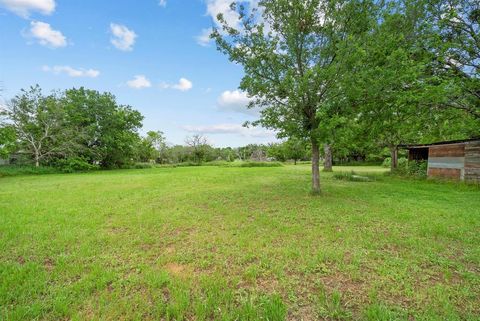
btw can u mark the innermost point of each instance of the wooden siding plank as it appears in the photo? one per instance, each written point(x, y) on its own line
point(472, 175)
point(472, 155)
point(453, 150)
point(450, 173)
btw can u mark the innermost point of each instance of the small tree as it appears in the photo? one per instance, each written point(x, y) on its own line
point(159, 144)
point(198, 143)
point(295, 149)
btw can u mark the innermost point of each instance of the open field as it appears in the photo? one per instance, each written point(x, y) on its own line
point(214, 243)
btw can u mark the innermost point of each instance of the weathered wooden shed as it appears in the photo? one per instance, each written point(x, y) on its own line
point(459, 160)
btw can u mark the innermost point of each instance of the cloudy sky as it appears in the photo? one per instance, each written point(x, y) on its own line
point(154, 55)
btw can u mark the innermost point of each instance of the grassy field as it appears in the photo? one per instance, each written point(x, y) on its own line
point(215, 243)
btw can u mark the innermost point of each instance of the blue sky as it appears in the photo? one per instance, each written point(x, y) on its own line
point(149, 53)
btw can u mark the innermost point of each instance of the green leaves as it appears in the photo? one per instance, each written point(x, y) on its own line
point(77, 123)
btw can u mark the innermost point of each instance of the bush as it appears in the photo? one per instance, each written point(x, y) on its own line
point(15, 170)
point(258, 164)
point(188, 164)
point(75, 164)
point(387, 162)
point(217, 163)
point(143, 165)
point(402, 162)
point(418, 169)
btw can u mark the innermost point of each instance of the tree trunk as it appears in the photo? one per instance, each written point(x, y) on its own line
point(327, 165)
point(37, 159)
point(394, 158)
point(294, 161)
point(315, 167)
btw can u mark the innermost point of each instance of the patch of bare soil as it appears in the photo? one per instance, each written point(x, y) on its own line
point(177, 269)
point(49, 264)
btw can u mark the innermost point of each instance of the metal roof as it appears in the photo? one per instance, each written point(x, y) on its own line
point(448, 142)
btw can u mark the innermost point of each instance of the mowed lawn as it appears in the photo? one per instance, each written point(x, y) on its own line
point(216, 243)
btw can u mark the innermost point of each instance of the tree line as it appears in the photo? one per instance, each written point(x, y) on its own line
point(80, 129)
point(341, 72)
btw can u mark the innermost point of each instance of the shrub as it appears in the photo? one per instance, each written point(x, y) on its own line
point(258, 164)
point(188, 164)
point(143, 165)
point(402, 162)
point(418, 169)
point(387, 162)
point(217, 163)
point(15, 170)
point(75, 164)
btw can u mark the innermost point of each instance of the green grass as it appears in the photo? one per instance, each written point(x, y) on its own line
point(16, 170)
point(219, 243)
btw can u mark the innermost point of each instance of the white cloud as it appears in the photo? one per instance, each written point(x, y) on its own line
point(46, 36)
point(139, 82)
point(203, 39)
point(182, 85)
point(162, 3)
point(215, 7)
point(236, 101)
point(236, 129)
point(123, 38)
point(72, 72)
point(23, 8)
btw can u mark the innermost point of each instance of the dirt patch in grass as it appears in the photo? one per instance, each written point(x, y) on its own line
point(268, 285)
point(303, 313)
point(180, 270)
point(115, 230)
point(49, 264)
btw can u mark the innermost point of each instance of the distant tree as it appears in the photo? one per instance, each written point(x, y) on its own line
point(178, 154)
point(110, 130)
point(159, 144)
point(259, 155)
point(227, 154)
point(291, 57)
point(145, 152)
point(39, 125)
point(295, 149)
point(198, 144)
point(8, 141)
point(277, 151)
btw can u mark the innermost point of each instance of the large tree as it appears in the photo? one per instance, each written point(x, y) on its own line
point(392, 84)
point(455, 41)
point(110, 130)
point(291, 52)
point(39, 125)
